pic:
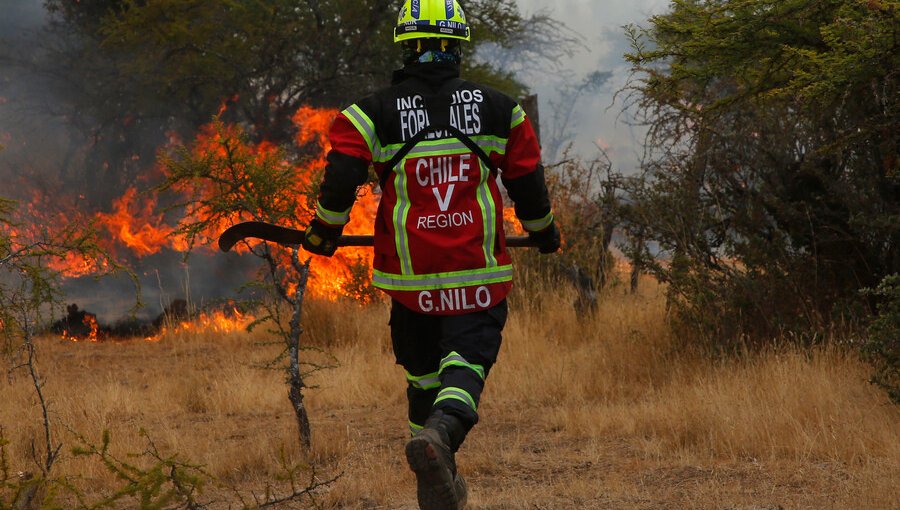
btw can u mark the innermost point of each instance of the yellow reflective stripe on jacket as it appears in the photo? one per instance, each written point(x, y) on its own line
point(363, 124)
point(441, 148)
point(537, 225)
point(488, 216)
point(332, 217)
point(518, 116)
point(439, 281)
point(400, 214)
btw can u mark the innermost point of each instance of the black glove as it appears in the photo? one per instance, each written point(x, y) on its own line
point(320, 238)
point(547, 240)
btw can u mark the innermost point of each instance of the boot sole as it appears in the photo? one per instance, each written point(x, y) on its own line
point(434, 483)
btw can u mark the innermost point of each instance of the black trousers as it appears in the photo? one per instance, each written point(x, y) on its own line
point(447, 359)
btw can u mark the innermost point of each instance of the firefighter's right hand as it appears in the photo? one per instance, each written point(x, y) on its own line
point(547, 240)
point(321, 239)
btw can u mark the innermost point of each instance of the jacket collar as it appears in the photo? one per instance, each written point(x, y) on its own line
point(433, 74)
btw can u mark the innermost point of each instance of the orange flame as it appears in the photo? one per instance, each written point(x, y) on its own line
point(329, 276)
point(72, 265)
point(138, 227)
point(38, 226)
point(511, 223)
point(217, 321)
point(93, 335)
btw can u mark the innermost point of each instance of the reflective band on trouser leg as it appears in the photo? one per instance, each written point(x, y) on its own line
point(461, 386)
point(537, 225)
point(332, 217)
point(414, 428)
point(421, 400)
point(401, 212)
point(450, 393)
point(455, 360)
point(488, 216)
point(424, 382)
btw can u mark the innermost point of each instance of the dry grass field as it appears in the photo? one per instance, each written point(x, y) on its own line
point(580, 412)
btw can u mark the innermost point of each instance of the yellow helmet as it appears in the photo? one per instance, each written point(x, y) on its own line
point(421, 19)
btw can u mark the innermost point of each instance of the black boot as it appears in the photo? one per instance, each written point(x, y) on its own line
point(431, 456)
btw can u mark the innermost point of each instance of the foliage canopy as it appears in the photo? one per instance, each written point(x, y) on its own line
point(883, 345)
point(129, 76)
point(770, 180)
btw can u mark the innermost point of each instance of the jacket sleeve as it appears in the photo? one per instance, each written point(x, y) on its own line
point(347, 166)
point(523, 175)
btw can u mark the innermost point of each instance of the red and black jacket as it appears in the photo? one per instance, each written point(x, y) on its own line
point(437, 144)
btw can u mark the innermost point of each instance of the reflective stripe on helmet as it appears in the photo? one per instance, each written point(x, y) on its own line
point(443, 19)
point(437, 281)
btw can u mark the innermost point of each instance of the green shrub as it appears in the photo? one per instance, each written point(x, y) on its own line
point(883, 345)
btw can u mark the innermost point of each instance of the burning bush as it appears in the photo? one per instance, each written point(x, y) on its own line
point(223, 178)
point(79, 325)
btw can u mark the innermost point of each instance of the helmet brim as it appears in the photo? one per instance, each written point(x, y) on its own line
point(411, 31)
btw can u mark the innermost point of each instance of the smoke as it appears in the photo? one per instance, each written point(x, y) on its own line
point(62, 159)
point(601, 114)
point(20, 16)
point(202, 280)
point(22, 129)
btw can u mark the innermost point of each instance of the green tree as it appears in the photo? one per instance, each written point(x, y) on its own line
point(223, 176)
point(129, 73)
point(29, 292)
point(28, 295)
point(770, 182)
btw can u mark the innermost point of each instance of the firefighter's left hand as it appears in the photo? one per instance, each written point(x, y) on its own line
point(547, 240)
point(321, 239)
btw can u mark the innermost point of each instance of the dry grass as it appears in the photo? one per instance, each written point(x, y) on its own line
point(580, 412)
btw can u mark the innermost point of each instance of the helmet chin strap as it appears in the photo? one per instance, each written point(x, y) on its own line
point(444, 44)
point(432, 50)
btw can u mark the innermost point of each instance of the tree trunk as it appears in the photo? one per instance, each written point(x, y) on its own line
point(637, 264)
point(295, 378)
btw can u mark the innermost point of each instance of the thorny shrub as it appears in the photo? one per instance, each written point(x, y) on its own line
point(769, 185)
point(582, 194)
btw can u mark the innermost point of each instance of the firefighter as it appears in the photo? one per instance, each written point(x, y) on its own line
point(437, 144)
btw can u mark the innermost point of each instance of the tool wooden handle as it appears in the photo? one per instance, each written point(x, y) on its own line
point(293, 237)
